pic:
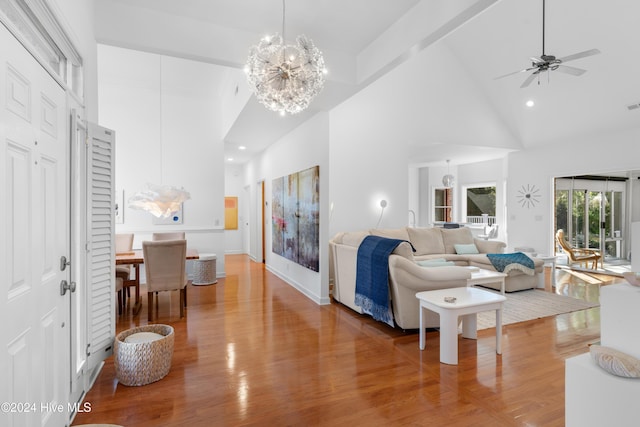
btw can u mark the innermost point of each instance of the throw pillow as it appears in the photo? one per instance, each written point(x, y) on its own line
point(465, 249)
point(427, 241)
point(615, 362)
point(457, 236)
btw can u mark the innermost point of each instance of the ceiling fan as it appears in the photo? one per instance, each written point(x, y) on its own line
point(551, 63)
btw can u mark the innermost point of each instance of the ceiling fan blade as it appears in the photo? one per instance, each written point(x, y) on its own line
point(571, 70)
point(536, 60)
point(529, 79)
point(580, 55)
point(516, 72)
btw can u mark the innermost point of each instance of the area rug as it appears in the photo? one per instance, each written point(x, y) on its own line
point(532, 304)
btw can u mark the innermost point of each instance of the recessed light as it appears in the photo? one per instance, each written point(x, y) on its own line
point(530, 103)
point(230, 159)
point(242, 147)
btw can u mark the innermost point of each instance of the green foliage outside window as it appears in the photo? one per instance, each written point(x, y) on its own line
point(481, 200)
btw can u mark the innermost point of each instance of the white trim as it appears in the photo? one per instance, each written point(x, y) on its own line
point(37, 28)
point(51, 25)
point(315, 298)
point(186, 229)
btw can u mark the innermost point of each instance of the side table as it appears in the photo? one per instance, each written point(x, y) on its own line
point(468, 302)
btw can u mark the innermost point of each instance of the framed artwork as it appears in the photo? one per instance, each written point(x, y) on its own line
point(295, 217)
point(176, 218)
point(230, 213)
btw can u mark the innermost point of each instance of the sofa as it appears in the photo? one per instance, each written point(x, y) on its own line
point(443, 247)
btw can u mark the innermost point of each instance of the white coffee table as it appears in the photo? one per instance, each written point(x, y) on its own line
point(483, 277)
point(469, 302)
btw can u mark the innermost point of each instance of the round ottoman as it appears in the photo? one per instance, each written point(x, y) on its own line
point(143, 354)
point(204, 270)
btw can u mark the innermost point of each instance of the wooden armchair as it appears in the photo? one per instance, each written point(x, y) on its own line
point(579, 255)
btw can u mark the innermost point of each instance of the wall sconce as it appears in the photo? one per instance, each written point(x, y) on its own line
point(383, 204)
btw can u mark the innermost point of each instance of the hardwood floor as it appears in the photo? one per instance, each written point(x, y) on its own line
point(254, 351)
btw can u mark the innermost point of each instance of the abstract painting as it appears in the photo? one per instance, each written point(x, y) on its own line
point(295, 217)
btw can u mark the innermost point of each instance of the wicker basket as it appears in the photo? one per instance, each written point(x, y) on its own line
point(143, 362)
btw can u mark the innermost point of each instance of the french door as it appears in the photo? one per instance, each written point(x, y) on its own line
point(592, 214)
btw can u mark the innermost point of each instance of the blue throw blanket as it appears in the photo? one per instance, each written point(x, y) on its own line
point(372, 277)
point(504, 263)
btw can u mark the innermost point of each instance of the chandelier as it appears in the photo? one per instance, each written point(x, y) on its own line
point(448, 179)
point(285, 77)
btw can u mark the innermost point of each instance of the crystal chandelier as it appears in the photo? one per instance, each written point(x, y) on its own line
point(285, 78)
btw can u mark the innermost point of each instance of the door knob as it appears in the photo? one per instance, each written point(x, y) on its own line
point(64, 286)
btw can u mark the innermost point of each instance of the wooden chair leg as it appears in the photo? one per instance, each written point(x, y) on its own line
point(185, 295)
point(183, 298)
point(149, 305)
point(119, 297)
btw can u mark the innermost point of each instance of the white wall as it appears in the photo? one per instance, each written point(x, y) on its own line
point(304, 147)
point(604, 153)
point(371, 135)
point(165, 112)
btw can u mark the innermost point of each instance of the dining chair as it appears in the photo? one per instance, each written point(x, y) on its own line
point(165, 268)
point(124, 244)
point(120, 294)
point(178, 235)
point(490, 232)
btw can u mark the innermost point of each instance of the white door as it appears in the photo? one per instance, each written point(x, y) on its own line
point(34, 235)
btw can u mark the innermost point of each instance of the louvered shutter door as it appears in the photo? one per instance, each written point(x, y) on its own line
point(101, 256)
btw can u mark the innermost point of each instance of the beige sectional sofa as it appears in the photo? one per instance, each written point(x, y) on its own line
point(407, 277)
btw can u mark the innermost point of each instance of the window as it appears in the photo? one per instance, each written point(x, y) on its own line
point(443, 204)
point(481, 201)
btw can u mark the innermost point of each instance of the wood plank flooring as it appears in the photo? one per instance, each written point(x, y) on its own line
point(254, 351)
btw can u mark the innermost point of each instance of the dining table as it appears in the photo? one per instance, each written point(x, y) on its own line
point(135, 258)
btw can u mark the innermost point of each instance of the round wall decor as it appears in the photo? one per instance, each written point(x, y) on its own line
point(528, 196)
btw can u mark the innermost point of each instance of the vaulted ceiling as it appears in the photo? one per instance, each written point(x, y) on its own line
point(364, 40)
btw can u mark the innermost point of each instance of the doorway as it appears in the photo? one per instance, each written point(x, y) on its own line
point(592, 211)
